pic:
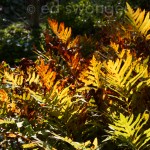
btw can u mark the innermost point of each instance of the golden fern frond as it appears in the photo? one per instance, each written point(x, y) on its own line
point(36, 95)
point(64, 99)
point(130, 131)
point(56, 96)
point(62, 102)
point(116, 70)
point(91, 76)
point(14, 78)
point(25, 95)
point(17, 78)
point(140, 20)
point(6, 121)
point(114, 46)
point(58, 87)
point(120, 72)
point(141, 67)
point(62, 33)
point(58, 100)
point(46, 73)
point(32, 77)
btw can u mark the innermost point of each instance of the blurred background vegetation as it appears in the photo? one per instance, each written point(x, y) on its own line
point(22, 26)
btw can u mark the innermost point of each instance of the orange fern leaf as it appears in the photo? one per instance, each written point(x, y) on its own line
point(74, 43)
point(62, 33)
point(47, 75)
point(75, 62)
point(3, 95)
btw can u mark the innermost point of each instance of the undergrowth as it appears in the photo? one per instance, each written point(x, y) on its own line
point(66, 101)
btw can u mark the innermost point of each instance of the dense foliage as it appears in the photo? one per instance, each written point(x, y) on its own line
point(63, 100)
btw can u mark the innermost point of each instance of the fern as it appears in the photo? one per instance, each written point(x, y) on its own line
point(33, 77)
point(139, 20)
point(119, 74)
point(130, 131)
point(79, 146)
point(14, 78)
point(62, 33)
point(75, 98)
point(92, 75)
point(25, 95)
point(73, 44)
point(3, 96)
point(6, 121)
point(46, 73)
point(68, 49)
point(17, 77)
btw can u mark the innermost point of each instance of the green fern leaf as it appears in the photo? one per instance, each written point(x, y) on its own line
point(130, 131)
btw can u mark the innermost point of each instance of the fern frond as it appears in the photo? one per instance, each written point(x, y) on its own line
point(32, 77)
point(74, 62)
point(130, 131)
point(91, 76)
point(25, 95)
point(139, 20)
point(37, 96)
point(6, 121)
point(64, 100)
point(62, 33)
point(114, 46)
point(120, 72)
point(77, 145)
point(15, 79)
point(47, 74)
point(74, 43)
point(3, 96)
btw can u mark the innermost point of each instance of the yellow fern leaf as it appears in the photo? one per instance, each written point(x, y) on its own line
point(145, 22)
point(91, 76)
point(139, 20)
point(136, 14)
point(126, 64)
point(16, 79)
point(23, 95)
point(120, 74)
point(32, 77)
point(114, 46)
